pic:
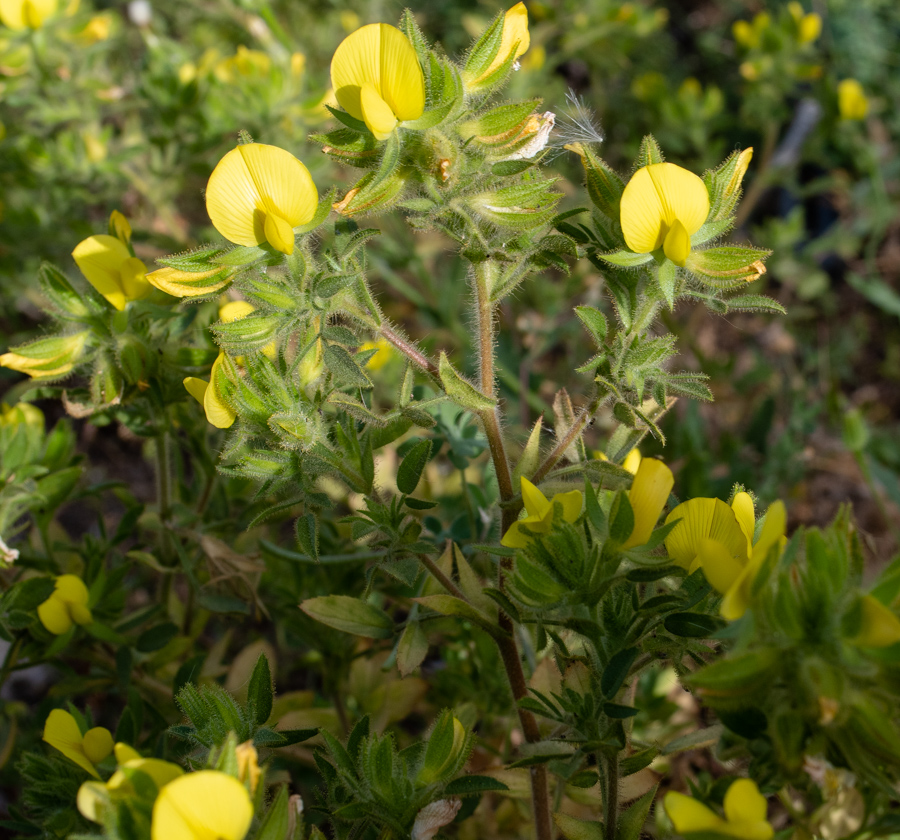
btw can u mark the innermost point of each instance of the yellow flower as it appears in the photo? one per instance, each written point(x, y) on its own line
point(91, 795)
point(719, 539)
point(379, 359)
point(539, 512)
point(852, 101)
point(631, 463)
point(202, 806)
point(119, 227)
point(47, 357)
point(244, 62)
point(178, 283)
point(879, 627)
point(809, 27)
point(745, 813)
point(259, 193)
point(97, 29)
point(514, 42)
point(649, 491)
point(234, 310)
point(662, 206)
point(744, 34)
point(218, 412)
point(109, 267)
point(62, 733)
point(67, 605)
point(376, 78)
point(22, 14)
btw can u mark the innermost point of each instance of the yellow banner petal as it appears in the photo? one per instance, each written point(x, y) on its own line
point(535, 502)
point(648, 494)
point(356, 61)
point(71, 588)
point(62, 733)
point(283, 183)
point(641, 214)
point(402, 81)
point(233, 201)
point(744, 803)
point(682, 194)
point(690, 816)
point(202, 805)
point(100, 259)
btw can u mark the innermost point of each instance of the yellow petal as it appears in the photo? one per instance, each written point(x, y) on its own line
point(54, 615)
point(207, 805)
point(279, 234)
point(772, 532)
point(283, 182)
point(97, 744)
point(719, 566)
point(121, 226)
point(12, 13)
point(535, 502)
point(402, 81)
point(688, 815)
point(377, 114)
point(381, 56)
point(162, 772)
point(218, 412)
point(641, 213)
point(133, 277)
point(90, 796)
point(100, 259)
point(632, 461)
point(852, 101)
point(737, 599)
point(125, 753)
point(255, 179)
point(879, 626)
point(742, 505)
point(649, 491)
point(62, 733)
point(677, 244)
point(571, 504)
point(701, 519)
point(196, 388)
point(514, 538)
point(744, 803)
point(80, 614)
point(682, 194)
point(37, 11)
point(515, 39)
point(71, 588)
point(176, 283)
point(234, 310)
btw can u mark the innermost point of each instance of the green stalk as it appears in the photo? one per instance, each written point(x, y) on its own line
point(610, 766)
point(506, 643)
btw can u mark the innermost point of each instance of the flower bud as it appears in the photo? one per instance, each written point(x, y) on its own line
point(504, 42)
point(47, 357)
point(119, 227)
point(248, 765)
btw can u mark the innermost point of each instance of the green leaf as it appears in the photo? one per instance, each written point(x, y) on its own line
point(350, 615)
point(450, 605)
point(619, 712)
point(638, 761)
point(307, 530)
point(667, 277)
point(410, 470)
point(625, 259)
point(631, 822)
point(419, 504)
point(504, 602)
point(275, 823)
point(692, 625)
point(573, 828)
point(734, 675)
point(616, 671)
point(595, 322)
point(621, 518)
point(343, 366)
point(699, 740)
point(260, 693)
point(412, 648)
point(471, 784)
point(461, 391)
point(156, 637)
point(756, 303)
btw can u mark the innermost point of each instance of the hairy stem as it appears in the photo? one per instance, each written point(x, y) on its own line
point(567, 439)
point(506, 641)
point(611, 798)
point(416, 356)
point(441, 578)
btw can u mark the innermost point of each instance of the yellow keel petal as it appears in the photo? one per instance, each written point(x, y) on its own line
point(376, 112)
point(279, 234)
point(677, 244)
